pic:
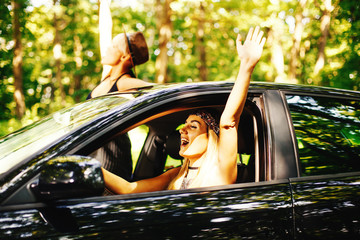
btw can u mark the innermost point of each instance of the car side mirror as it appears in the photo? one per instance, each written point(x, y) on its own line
point(69, 177)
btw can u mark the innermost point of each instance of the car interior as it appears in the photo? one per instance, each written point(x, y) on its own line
point(161, 141)
point(159, 150)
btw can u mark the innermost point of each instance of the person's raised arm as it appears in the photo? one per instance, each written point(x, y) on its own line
point(249, 53)
point(105, 30)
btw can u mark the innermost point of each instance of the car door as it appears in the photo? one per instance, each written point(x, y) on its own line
point(327, 206)
point(243, 211)
point(327, 195)
point(252, 210)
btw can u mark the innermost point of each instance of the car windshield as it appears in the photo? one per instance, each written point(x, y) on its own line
point(27, 141)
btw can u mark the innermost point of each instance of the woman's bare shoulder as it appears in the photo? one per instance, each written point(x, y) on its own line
point(132, 83)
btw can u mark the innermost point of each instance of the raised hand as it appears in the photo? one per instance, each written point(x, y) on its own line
point(250, 52)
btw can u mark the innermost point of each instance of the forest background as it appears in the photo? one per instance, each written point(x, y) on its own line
point(50, 58)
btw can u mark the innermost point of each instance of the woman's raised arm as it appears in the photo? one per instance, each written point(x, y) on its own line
point(249, 53)
point(105, 31)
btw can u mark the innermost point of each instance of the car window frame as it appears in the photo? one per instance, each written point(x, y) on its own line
point(138, 118)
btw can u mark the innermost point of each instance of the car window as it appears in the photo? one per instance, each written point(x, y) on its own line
point(328, 134)
point(137, 138)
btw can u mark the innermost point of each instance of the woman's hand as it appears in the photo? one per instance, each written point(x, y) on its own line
point(250, 52)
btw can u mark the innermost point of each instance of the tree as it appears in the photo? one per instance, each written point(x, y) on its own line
point(57, 49)
point(78, 58)
point(19, 98)
point(188, 41)
point(277, 55)
point(163, 14)
point(344, 39)
point(324, 28)
point(201, 42)
point(296, 37)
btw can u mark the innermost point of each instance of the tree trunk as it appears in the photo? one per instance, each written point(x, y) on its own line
point(324, 28)
point(17, 62)
point(295, 50)
point(201, 43)
point(78, 63)
point(165, 31)
point(277, 55)
point(58, 52)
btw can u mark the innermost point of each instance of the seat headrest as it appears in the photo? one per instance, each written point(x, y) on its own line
point(172, 145)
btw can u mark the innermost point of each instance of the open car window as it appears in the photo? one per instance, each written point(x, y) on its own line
point(150, 148)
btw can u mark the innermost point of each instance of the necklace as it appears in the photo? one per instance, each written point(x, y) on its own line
point(193, 168)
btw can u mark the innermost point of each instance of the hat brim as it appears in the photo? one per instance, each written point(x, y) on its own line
point(127, 40)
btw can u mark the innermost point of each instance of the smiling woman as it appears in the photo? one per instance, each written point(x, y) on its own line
point(208, 146)
point(198, 136)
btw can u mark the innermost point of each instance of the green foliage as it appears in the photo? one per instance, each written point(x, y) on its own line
point(348, 36)
point(5, 61)
point(223, 20)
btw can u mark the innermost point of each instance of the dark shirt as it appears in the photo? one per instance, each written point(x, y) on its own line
point(115, 156)
point(113, 88)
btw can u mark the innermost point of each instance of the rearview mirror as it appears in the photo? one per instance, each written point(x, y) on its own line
point(69, 177)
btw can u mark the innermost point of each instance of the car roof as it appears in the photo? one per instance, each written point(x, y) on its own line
point(227, 85)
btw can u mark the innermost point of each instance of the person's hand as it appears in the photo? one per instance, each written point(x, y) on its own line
point(250, 52)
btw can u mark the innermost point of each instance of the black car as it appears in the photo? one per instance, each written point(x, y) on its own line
point(298, 168)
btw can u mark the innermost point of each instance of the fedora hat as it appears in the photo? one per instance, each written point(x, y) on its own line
point(137, 47)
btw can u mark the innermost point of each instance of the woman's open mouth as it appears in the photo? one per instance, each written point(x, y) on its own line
point(184, 142)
